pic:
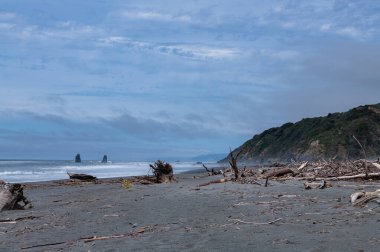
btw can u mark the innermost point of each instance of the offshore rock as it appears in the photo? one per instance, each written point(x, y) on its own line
point(105, 159)
point(78, 159)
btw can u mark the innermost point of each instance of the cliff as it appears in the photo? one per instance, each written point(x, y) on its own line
point(318, 138)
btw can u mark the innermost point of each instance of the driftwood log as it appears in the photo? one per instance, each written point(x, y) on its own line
point(82, 177)
point(280, 172)
point(232, 160)
point(212, 171)
point(11, 195)
point(223, 180)
point(361, 198)
point(315, 185)
point(374, 175)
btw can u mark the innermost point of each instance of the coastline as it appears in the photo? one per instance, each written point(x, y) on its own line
point(16, 171)
point(183, 216)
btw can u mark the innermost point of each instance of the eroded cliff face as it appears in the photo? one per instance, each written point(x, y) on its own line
point(319, 138)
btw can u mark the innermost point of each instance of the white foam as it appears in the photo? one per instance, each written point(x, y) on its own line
point(53, 170)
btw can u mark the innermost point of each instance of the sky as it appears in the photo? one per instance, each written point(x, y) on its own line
point(143, 80)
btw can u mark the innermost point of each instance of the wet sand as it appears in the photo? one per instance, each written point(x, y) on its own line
point(184, 217)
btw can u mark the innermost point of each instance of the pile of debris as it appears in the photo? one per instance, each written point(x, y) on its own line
point(328, 170)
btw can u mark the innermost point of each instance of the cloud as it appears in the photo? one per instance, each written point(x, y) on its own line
point(61, 31)
point(194, 74)
point(155, 16)
point(351, 32)
point(325, 27)
point(7, 15)
point(160, 129)
point(280, 54)
point(6, 26)
point(182, 50)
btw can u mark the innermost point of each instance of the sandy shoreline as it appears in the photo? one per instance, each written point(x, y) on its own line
point(182, 216)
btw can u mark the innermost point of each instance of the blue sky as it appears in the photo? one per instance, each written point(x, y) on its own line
point(142, 80)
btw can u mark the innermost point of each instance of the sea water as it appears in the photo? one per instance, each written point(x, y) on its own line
point(45, 170)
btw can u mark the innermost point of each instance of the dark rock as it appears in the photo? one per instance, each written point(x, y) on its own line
point(78, 159)
point(105, 159)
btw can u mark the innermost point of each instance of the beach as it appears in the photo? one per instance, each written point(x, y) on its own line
point(181, 216)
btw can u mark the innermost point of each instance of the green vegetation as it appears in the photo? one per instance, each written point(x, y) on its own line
point(126, 183)
point(318, 138)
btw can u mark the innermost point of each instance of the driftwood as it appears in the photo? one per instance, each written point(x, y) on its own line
point(19, 219)
point(280, 172)
point(315, 185)
point(328, 170)
point(376, 165)
point(82, 177)
point(302, 166)
point(266, 181)
point(162, 171)
point(11, 195)
point(43, 245)
point(361, 198)
point(363, 176)
point(232, 160)
point(365, 156)
point(238, 221)
point(212, 171)
point(223, 180)
point(133, 233)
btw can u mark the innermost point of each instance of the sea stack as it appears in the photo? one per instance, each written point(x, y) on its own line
point(105, 159)
point(78, 159)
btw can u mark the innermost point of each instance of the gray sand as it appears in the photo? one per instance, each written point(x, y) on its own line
point(180, 217)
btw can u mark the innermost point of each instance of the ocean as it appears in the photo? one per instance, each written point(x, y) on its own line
point(17, 171)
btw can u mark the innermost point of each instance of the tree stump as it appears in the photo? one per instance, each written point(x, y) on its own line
point(10, 197)
point(162, 171)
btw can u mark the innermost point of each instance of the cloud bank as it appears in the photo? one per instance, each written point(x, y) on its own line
point(142, 80)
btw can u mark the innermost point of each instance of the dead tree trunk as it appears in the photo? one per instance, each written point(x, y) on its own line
point(212, 171)
point(232, 159)
point(365, 156)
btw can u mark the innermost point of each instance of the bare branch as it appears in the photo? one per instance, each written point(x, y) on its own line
point(365, 156)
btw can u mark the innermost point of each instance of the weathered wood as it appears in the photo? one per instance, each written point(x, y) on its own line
point(360, 198)
point(302, 166)
point(232, 159)
point(315, 185)
point(162, 171)
point(223, 180)
point(238, 221)
point(364, 176)
point(212, 171)
point(44, 245)
point(280, 172)
point(376, 165)
point(10, 197)
point(365, 156)
point(82, 177)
